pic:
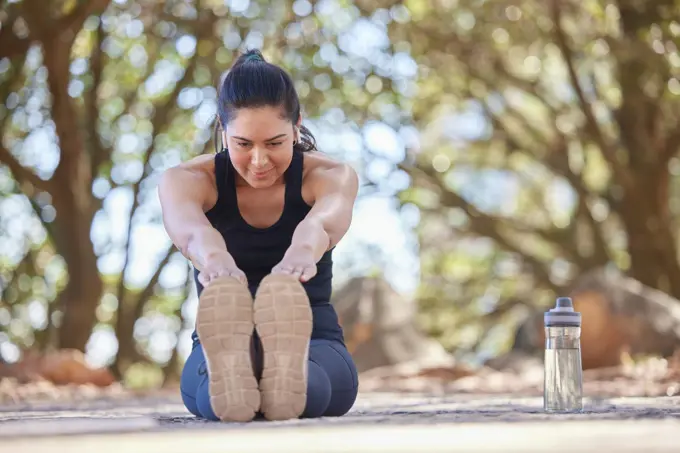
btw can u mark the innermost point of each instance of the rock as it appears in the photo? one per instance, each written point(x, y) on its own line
point(621, 318)
point(60, 367)
point(379, 326)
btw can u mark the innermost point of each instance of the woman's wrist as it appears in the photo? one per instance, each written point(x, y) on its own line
point(205, 246)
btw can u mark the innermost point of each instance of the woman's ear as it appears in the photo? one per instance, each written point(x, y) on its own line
point(296, 129)
point(224, 138)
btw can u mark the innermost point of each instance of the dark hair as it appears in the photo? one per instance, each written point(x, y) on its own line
point(253, 82)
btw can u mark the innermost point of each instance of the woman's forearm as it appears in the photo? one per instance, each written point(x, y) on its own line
point(310, 235)
point(184, 195)
point(203, 243)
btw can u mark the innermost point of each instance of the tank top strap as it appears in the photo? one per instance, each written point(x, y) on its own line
point(226, 194)
point(221, 171)
point(230, 187)
point(294, 180)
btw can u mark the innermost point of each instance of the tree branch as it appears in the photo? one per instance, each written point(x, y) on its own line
point(99, 152)
point(73, 22)
point(73, 171)
point(74, 168)
point(170, 370)
point(608, 151)
point(22, 174)
point(160, 123)
point(131, 97)
point(12, 45)
point(129, 312)
point(557, 161)
point(670, 149)
point(481, 223)
point(148, 289)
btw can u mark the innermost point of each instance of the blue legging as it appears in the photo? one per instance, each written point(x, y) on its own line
point(332, 382)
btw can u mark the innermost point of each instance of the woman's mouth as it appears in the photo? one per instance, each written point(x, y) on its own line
point(261, 174)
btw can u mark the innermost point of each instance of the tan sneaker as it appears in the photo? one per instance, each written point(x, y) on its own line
point(225, 329)
point(283, 319)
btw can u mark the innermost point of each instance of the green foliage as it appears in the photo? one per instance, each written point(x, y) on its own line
point(546, 145)
point(547, 148)
point(112, 94)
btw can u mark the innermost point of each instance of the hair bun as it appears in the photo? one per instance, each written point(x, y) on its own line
point(250, 55)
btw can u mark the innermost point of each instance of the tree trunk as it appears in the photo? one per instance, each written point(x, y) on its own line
point(80, 298)
point(653, 259)
point(79, 302)
point(125, 328)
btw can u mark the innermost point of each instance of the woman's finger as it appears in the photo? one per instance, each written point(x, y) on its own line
point(308, 273)
point(212, 276)
point(238, 275)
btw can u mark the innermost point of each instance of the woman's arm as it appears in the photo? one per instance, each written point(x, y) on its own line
point(186, 192)
point(335, 191)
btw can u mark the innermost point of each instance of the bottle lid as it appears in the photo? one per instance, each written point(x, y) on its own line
point(563, 315)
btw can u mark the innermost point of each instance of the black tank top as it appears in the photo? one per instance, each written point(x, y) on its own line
point(257, 250)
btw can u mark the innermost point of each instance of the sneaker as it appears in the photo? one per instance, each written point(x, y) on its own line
point(283, 319)
point(225, 328)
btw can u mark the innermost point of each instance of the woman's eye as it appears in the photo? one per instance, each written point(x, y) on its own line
point(243, 144)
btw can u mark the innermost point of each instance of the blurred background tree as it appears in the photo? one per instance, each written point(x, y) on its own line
point(529, 141)
point(99, 97)
point(549, 149)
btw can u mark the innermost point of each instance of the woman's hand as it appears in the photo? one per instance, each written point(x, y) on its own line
point(220, 265)
point(298, 262)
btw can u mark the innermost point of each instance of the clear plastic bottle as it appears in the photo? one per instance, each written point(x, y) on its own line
point(563, 374)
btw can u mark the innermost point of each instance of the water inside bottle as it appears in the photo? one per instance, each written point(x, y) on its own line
point(563, 380)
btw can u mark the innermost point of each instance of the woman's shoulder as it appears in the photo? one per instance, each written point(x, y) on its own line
point(317, 164)
point(323, 173)
point(194, 178)
point(197, 168)
point(205, 163)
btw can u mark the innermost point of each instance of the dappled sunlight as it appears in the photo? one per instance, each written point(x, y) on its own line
point(507, 153)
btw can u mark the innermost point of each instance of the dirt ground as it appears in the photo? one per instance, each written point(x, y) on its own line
point(627, 409)
point(385, 422)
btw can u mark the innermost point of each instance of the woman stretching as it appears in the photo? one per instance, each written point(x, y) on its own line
point(258, 220)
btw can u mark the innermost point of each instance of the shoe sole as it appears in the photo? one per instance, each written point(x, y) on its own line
point(283, 319)
point(225, 328)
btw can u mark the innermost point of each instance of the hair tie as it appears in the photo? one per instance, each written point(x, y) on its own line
point(253, 57)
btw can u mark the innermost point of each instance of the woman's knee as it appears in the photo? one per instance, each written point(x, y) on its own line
point(191, 377)
point(341, 403)
point(194, 375)
point(318, 391)
point(338, 365)
point(190, 403)
point(203, 405)
point(344, 395)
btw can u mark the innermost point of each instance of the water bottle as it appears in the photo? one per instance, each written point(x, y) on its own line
point(563, 374)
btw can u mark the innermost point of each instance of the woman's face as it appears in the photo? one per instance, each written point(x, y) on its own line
point(260, 143)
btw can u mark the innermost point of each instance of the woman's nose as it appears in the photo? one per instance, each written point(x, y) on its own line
point(259, 158)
